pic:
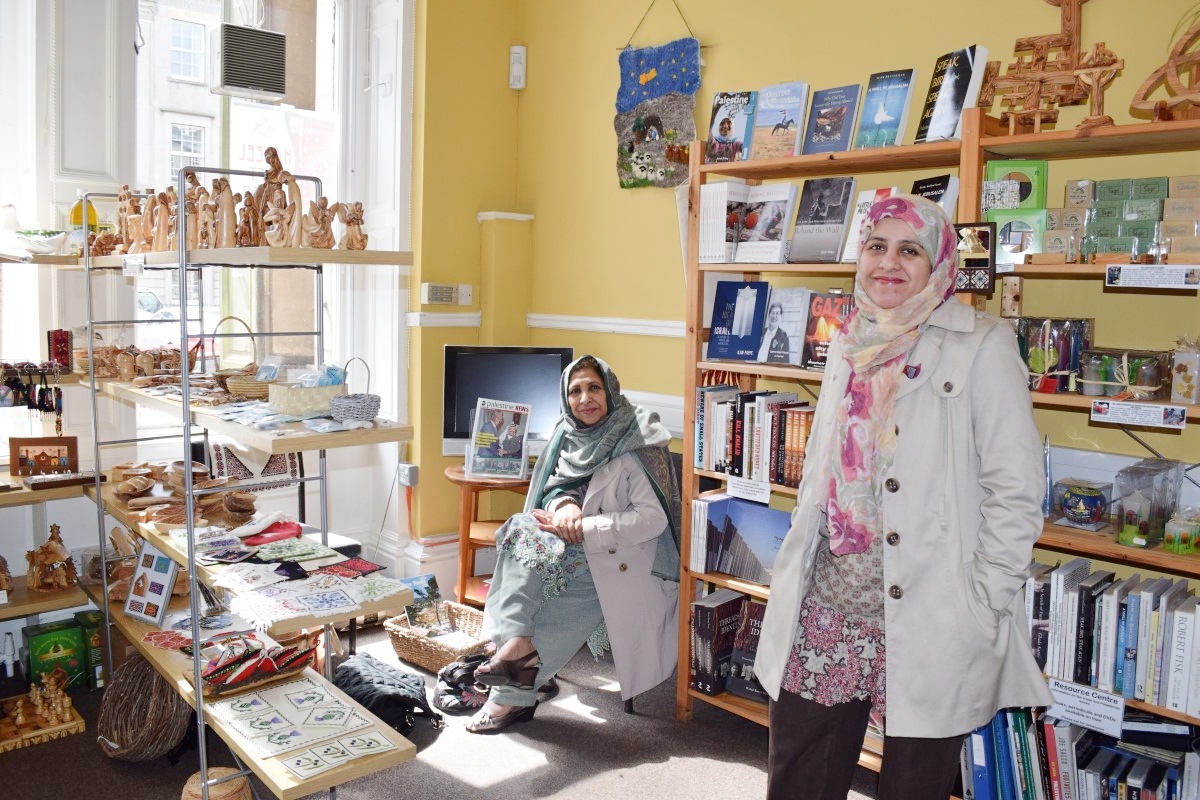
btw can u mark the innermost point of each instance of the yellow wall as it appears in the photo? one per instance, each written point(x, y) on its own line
point(598, 250)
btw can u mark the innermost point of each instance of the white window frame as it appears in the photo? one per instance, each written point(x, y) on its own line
point(176, 26)
point(192, 158)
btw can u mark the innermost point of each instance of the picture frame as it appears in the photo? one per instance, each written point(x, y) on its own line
point(46, 455)
point(976, 251)
point(150, 588)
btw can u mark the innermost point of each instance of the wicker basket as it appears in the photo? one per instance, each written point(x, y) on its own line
point(428, 653)
point(355, 407)
point(142, 717)
point(244, 375)
point(300, 401)
point(233, 789)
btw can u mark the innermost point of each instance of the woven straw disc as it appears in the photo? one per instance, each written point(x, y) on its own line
point(235, 789)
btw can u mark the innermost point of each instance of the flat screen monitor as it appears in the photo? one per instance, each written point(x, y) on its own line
point(514, 374)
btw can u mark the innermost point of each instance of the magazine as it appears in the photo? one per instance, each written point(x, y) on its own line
point(427, 611)
point(497, 444)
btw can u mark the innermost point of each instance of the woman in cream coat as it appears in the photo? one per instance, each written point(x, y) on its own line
point(897, 586)
point(594, 557)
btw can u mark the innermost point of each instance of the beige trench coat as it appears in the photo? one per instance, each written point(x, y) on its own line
point(622, 522)
point(961, 509)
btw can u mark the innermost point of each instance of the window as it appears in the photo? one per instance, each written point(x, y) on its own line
point(187, 50)
point(187, 147)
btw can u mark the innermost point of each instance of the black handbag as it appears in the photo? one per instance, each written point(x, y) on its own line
point(395, 696)
point(456, 692)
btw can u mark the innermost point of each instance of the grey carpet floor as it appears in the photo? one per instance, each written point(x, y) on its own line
point(580, 744)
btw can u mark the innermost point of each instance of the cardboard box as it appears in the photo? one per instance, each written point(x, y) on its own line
point(1079, 193)
point(92, 623)
point(56, 644)
point(1183, 186)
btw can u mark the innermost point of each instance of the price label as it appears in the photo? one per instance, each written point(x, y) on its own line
point(133, 265)
point(757, 491)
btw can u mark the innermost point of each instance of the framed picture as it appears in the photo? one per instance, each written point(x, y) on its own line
point(150, 588)
point(976, 257)
point(43, 456)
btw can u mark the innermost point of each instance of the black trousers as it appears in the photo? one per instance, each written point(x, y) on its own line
point(814, 750)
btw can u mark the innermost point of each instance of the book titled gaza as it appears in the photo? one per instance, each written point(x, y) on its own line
point(827, 312)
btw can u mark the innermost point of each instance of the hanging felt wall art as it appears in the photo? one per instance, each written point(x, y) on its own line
point(655, 118)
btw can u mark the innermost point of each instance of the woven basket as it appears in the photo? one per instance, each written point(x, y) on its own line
point(245, 373)
point(355, 407)
point(142, 717)
point(428, 653)
point(232, 789)
point(302, 400)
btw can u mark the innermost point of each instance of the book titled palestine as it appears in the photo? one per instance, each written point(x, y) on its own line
point(731, 128)
point(825, 205)
point(831, 120)
point(957, 77)
point(885, 108)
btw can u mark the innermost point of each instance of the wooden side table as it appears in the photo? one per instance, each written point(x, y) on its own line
point(475, 534)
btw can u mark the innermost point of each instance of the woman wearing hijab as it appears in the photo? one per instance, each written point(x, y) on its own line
point(723, 145)
point(594, 557)
point(897, 586)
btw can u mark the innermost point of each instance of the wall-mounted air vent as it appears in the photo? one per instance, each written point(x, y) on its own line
point(248, 62)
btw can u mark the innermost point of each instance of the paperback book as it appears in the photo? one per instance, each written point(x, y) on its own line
point(830, 125)
point(769, 211)
point(722, 212)
point(779, 120)
point(866, 199)
point(714, 623)
point(954, 86)
point(824, 208)
point(783, 330)
point(497, 444)
point(941, 189)
point(885, 108)
point(827, 312)
point(730, 130)
point(745, 646)
point(737, 319)
point(751, 539)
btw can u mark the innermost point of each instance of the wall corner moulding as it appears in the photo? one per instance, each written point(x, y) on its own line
point(485, 216)
point(434, 319)
point(632, 327)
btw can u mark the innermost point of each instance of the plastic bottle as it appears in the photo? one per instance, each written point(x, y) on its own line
point(76, 225)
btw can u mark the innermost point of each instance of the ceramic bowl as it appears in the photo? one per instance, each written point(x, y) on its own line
point(42, 242)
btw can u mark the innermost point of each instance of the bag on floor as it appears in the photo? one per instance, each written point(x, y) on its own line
point(456, 691)
point(395, 696)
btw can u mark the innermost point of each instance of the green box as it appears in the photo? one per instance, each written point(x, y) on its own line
point(1115, 244)
point(1143, 209)
point(1106, 209)
point(1151, 188)
point(1030, 175)
point(56, 644)
point(1144, 229)
point(1120, 189)
point(1019, 231)
point(1104, 227)
point(92, 623)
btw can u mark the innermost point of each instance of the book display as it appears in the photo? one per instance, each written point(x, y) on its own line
point(779, 120)
point(731, 128)
point(953, 88)
point(820, 229)
point(830, 126)
point(885, 105)
point(1077, 612)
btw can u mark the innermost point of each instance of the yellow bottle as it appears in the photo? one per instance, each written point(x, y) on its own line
point(76, 225)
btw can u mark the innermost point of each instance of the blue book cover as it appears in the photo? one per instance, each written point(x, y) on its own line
point(1119, 660)
point(1127, 674)
point(982, 764)
point(755, 533)
point(779, 120)
point(731, 128)
point(831, 118)
point(1002, 752)
point(739, 311)
point(885, 108)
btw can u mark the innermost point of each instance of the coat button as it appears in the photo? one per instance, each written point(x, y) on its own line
point(892, 485)
point(612, 551)
point(623, 567)
point(947, 387)
point(893, 538)
point(895, 592)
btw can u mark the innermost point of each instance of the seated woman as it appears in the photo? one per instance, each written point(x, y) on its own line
point(593, 558)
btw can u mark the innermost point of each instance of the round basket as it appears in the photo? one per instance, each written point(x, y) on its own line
point(233, 789)
point(355, 407)
point(142, 717)
point(245, 373)
point(417, 648)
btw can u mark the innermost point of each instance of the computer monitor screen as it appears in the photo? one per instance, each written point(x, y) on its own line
point(514, 374)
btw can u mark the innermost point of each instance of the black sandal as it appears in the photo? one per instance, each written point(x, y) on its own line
point(484, 722)
point(520, 673)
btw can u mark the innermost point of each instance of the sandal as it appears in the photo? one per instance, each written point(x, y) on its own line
point(520, 673)
point(484, 722)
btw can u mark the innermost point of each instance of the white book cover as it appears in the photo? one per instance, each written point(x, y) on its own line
point(722, 211)
point(1106, 670)
point(866, 199)
point(765, 407)
point(1182, 631)
point(1166, 604)
point(497, 445)
point(769, 211)
point(1064, 582)
point(783, 329)
point(1151, 592)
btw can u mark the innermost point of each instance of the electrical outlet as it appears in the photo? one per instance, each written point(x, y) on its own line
point(464, 294)
point(408, 474)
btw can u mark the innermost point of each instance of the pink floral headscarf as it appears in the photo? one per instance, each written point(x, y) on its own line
point(876, 341)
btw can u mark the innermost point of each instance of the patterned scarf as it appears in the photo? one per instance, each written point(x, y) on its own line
point(876, 342)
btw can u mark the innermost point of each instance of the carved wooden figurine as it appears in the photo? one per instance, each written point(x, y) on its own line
point(162, 213)
point(51, 568)
point(318, 224)
point(6, 582)
point(1096, 71)
point(351, 215)
point(278, 219)
point(1183, 98)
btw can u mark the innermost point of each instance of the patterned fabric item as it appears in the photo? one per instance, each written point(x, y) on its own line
point(319, 595)
point(876, 342)
point(554, 560)
point(295, 550)
point(837, 659)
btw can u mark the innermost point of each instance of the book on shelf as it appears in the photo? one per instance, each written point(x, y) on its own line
point(770, 208)
point(783, 330)
point(710, 523)
point(1183, 635)
point(767, 408)
point(830, 127)
point(941, 189)
point(953, 87)
point(1003, 756)
point(751, 539)
point(737, 319)
point(1151, 591)
point(730, 129)
point(1037, 609)
point(497, 444)
point(1064, 581)
point(821, 218)
point(885, 106)
point(714, 622)
point(827, 312)
point(862, 204)
point(1167, 604)
point(745, 646)
point(1089, 591)
point(706, 397)
point(1110, 607)
point(779, 120)
point(795, 424)
point(1127, 613)
point(983, 765)
point(722, 211)
point(743, 400)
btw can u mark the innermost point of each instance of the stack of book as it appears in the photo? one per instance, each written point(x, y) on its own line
point(759, 436)
point(737, 537)
point(714, 621)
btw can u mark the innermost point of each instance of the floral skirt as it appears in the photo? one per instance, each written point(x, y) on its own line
point(836, 658)
point(542, 552)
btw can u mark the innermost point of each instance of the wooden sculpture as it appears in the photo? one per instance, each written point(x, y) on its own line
point(123, 198)
point(51, 568)
point(278, 220)
point(1183, 101)
point(318, 224)
point(351, 215)
point(6, 582)
point(1096, 71)
point(226, 213)
point(162, 213)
